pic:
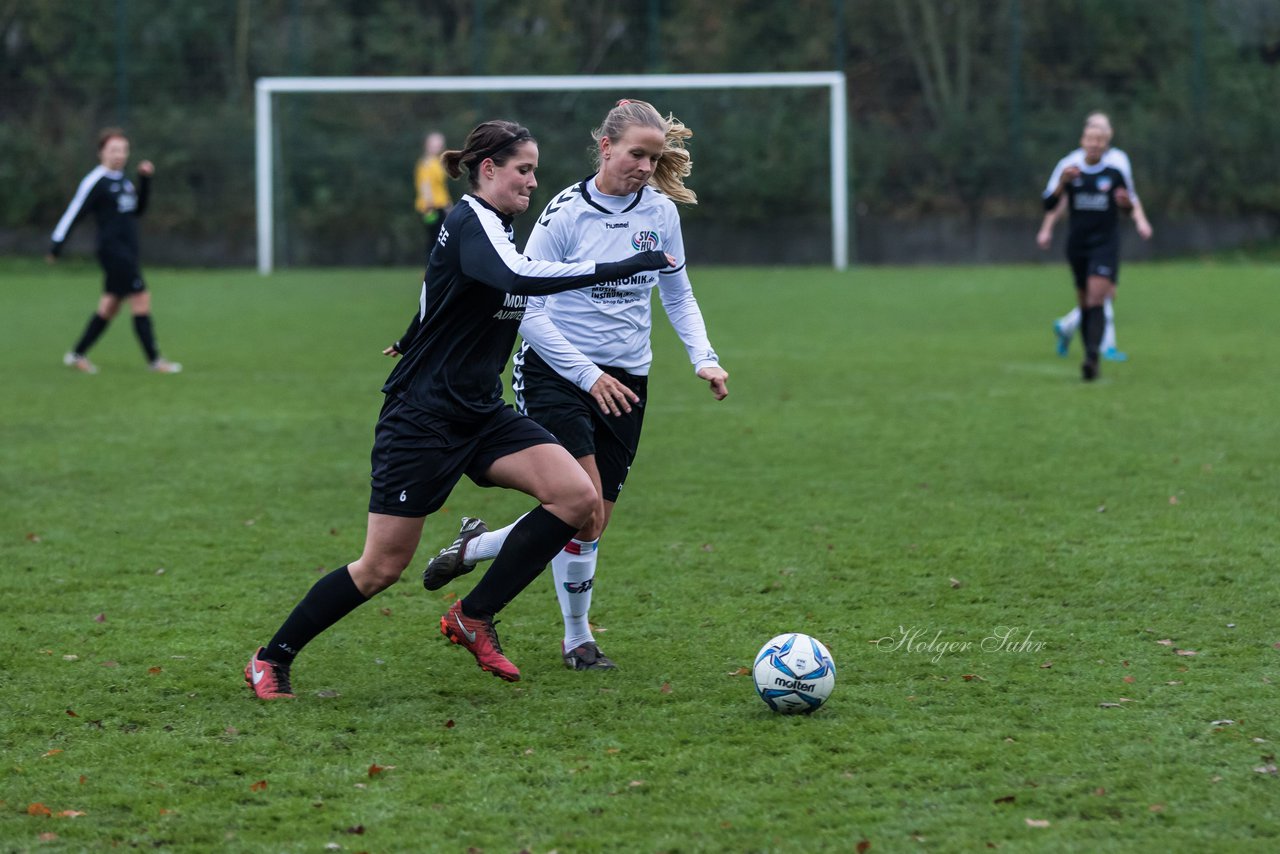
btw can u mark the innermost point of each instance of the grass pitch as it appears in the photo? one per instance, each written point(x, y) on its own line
point(1052, 606)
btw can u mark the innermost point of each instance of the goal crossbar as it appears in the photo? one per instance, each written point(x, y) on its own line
point(833, 81)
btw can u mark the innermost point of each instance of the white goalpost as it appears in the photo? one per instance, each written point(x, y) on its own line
point(833, 81)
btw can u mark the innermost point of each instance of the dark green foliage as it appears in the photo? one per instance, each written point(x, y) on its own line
point(955, 107)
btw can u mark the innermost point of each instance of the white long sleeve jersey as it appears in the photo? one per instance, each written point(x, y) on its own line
point(609, 323)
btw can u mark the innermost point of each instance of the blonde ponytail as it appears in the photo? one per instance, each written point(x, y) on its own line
point(674, 165)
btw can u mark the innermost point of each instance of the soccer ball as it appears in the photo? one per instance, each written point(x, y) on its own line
point(794, 673)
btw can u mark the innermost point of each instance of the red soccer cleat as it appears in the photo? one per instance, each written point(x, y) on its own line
point(270, 681)
point(480, 639)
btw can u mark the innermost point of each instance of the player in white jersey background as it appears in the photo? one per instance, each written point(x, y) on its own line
point(1065, 327)
point(582, 371)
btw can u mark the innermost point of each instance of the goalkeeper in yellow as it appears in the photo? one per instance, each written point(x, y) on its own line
point(432, 192)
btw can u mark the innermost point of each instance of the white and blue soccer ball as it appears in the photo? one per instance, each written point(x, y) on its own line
point(794, 673)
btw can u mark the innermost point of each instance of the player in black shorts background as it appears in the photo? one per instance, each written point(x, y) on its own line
point(444, 416)
point(1096, 191)
point(116, 205)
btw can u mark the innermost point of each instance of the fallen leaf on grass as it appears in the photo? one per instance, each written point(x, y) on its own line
point(741, 671)
point(357, 830)
point(39, 809)
point(108, 664)
point(48, 836)
point(259, 786)
point(969, 677)
point(33, 537)
point(1186, 652)
point(1165, 642)
point(666, 688)
point(1174, 682)
point(1037, 822)
point(1099, 791)
point(707, 547)
point(1046, 665)
point(70, 814)
point(1156, 808)
point(101, 618)
point(376, 769)
point(386, 612)
point(1173, 499)
point(152, 671)
point(71, 714)
point(634, 784)
point(72, 657)
point(955, 582)
point(449, 724)
point(1129, 680)
point(231, 731)
point(1223, 722)
point(863, 846)
point(1007, 799)
point(53, 752)
point(1269, 768)
point(1108, 705)
point(328, 694)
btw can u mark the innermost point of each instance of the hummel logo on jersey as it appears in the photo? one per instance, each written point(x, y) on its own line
point(444, 236)
point(617, 225)
point(559, 202)
point(471, 636)
point(645, 241)
point(258, 673)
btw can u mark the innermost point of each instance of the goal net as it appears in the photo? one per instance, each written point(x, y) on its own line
point(335, 158)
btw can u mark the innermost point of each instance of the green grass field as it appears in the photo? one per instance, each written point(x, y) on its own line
point(901, 455)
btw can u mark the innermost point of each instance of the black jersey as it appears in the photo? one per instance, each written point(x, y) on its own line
point(470, 307)
point(116, 205)
point(1094, 216)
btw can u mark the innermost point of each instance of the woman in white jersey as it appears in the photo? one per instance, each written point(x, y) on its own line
point(583, 368)
point(1064, 328)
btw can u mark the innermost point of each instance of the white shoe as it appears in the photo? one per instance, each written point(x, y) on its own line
point(80, 363)
point(164, 366)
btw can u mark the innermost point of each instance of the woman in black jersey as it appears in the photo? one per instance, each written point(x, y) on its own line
point(1096, 191)
point(116, 204)
point(444, 415)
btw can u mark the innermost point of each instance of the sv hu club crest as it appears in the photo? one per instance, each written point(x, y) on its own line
point(644, 241)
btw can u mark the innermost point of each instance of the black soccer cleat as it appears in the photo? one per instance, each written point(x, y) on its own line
point(448, 565)
point(587, 657)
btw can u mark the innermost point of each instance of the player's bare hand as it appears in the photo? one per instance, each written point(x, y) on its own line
point(1144, 229)
point(718, 378)
point(1068, 175)
point(1122, 199)
point(671, 259)
point(391, 351)
point(612, 396)
point(146, 168)
point(1044, 238)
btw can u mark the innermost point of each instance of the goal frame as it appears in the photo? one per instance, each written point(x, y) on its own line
point(833, 81)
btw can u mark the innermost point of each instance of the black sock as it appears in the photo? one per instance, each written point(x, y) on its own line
point(530, 546)
point(1093, 323)
point(329, 600)
point(146, 336)
point(97, 325)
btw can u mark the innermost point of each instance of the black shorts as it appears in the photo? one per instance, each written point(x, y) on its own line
point(122, 277)
point(574, 417)
point(418, 458)
point(1101, 261)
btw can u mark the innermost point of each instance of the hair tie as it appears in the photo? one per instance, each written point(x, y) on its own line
point(622, 102)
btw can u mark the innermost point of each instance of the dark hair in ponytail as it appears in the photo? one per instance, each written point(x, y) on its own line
point(496, 140)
